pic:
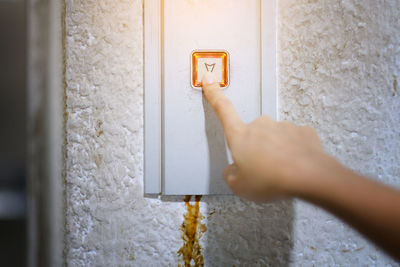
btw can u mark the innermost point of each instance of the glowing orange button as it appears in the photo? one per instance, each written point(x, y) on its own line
point(215, 61)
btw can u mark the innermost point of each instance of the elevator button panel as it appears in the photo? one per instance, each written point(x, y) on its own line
point(185, 151)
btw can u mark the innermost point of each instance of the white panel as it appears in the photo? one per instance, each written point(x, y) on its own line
point(194, 146)
point(152, 97)
point(268, 50)
point(185, 150)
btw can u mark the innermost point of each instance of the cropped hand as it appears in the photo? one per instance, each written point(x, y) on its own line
point(270, 158)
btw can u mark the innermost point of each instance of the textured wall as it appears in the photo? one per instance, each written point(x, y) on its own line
point(338, 71)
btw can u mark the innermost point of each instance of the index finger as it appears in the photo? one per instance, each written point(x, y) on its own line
point(222, 106)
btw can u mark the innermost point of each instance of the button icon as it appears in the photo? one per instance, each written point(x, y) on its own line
point(215, 61)
point(210, 67)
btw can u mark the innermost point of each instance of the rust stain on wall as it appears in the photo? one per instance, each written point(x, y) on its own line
point(192, 230)
point(99, 128)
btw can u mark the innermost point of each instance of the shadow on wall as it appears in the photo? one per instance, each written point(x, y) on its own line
point(217, 150)
point(241, 233)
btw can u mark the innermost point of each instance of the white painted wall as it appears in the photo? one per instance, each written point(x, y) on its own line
point(339, 64)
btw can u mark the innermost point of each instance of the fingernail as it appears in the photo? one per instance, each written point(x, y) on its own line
point(231, 178)
point(209, 78)
point(230, 174)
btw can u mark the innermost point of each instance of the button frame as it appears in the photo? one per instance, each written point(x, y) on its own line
point(210, 53)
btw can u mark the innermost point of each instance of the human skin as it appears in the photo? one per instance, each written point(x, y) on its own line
point(274, 160)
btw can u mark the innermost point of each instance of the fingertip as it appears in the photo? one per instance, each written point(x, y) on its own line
point(210, 86)
point(208, 78)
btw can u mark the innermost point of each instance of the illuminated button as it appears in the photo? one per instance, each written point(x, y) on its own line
point(215, 61)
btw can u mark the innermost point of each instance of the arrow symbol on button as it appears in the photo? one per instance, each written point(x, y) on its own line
point(210, 66)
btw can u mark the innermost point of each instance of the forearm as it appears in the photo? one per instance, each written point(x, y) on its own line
point(372, 208)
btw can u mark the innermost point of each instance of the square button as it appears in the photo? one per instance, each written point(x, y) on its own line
point(215, 61)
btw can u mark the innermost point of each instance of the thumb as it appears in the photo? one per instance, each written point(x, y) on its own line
point(231, 176)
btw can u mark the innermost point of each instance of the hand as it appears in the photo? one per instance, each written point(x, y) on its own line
point(271, 159)
point(278, 159)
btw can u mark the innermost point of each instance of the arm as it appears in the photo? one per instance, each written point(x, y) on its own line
point(372, 208)
point(278, 159)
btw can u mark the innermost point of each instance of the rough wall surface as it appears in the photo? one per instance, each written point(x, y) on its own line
point(339, 70)
point(339, 65)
